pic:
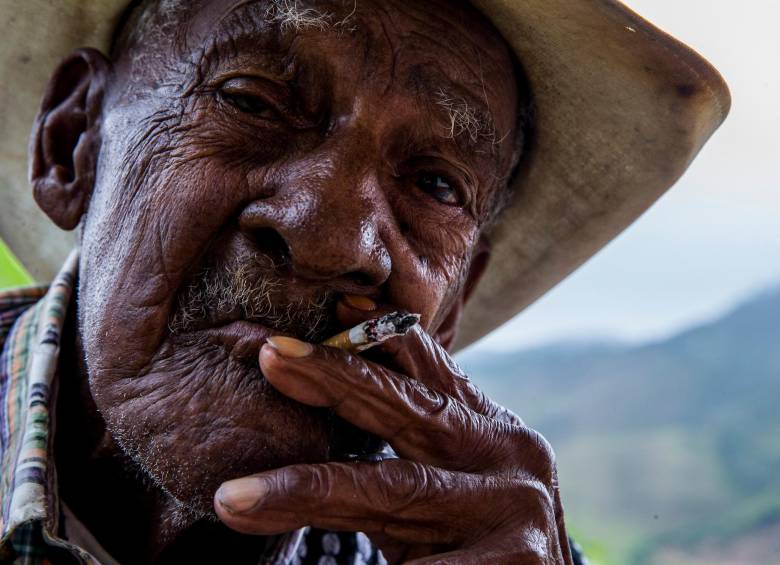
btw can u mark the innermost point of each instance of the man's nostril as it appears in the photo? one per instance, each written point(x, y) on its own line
point(270, 242)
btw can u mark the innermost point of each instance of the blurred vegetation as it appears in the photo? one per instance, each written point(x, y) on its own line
point(668, 452)
point(12, 273)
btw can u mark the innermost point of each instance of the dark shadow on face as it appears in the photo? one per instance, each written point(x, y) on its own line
point(255, 164)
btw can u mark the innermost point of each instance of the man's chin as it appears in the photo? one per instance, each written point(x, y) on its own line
point(199, 417)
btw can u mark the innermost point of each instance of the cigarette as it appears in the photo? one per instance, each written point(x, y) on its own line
point(373, 332)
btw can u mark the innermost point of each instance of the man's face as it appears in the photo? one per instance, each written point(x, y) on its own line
point(259, 161)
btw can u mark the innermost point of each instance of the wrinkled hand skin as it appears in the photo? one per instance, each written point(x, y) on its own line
point(472, 483)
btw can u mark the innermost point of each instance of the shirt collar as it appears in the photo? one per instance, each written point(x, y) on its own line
point(27, 367)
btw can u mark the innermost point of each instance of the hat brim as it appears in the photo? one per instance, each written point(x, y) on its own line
point(621, 109)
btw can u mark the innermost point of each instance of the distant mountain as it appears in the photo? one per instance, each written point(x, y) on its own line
point(665, 449)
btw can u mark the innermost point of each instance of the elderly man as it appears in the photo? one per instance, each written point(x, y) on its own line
point(250, 177)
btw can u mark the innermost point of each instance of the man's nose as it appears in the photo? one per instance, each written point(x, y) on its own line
point(329, 212)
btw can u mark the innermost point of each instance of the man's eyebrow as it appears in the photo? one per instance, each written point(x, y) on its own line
point(292, 17)
point(465, 117)
point(287, 16)
point(275, 25)
point(245, 30)
point(465, 114)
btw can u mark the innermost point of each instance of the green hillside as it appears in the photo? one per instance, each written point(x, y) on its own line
point(668, 452)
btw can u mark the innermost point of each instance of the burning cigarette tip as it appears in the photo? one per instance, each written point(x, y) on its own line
point(373, 332)
point(390, 325)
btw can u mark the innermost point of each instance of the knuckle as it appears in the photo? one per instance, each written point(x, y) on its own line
point(447, 430)
point(534, 548)
point(544, 450)
point(402, 486)
point(479, 399)
point(358, 377)
point(537, 539)
point(536, 453)
point(436, 421)
point(311, 484)
point(332, 355)
point(357, 366)
point(505, 415)
point(473, 396)
point(362, 369)
point(434, 405)
point(536, 501)
point(352, 368)
point(446, 360)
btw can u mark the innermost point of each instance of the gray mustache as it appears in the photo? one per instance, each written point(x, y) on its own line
point(251, 290)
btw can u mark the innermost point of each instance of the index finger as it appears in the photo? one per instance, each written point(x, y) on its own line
point(419, 356)
point(420, 423)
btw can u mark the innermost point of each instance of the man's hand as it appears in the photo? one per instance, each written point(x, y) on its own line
point(472, 485)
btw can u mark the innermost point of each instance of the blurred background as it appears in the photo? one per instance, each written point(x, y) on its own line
point(654, 370)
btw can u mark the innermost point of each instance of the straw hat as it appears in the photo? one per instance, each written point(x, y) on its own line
point(621, 110)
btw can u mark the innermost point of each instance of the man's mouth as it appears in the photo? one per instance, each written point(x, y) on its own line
point(240, 298)
point(240, 304)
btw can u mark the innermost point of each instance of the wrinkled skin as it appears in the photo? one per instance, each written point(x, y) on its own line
point(215, 134)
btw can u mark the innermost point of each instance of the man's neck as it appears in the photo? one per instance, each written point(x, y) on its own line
point(133, 520)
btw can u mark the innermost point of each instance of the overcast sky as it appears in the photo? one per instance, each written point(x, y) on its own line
point(714, 238)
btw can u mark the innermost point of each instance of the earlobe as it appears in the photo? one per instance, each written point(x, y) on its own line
point(66, 137)
point(447, 332)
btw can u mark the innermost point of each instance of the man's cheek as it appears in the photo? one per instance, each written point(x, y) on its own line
point(136, 270)
point(444, 281)
point(195, 418)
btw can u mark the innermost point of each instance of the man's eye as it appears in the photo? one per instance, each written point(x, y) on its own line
point(250, 104)
point(439, 187)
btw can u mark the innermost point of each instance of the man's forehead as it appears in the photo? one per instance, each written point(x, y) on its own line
point(450, 63)
point(422, 28)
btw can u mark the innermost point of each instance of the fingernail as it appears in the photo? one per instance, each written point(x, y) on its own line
point(241, 495)
point(360, 302)
point(290, 347)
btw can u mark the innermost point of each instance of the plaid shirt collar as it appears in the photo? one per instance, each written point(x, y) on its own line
point(31, 517)
point(31, 320)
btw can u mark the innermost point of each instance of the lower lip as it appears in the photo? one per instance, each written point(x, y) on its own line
point(242, 340)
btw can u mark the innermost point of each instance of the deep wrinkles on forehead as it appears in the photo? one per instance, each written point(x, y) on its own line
point(459, 92)
point(171, 22)
point(460, 106)
point(458, 96)
point(239, 28)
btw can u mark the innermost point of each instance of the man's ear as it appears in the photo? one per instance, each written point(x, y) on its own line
point(448, 330)
point(65, 137)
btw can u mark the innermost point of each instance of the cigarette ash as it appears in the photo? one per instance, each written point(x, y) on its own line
point(390, 325)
